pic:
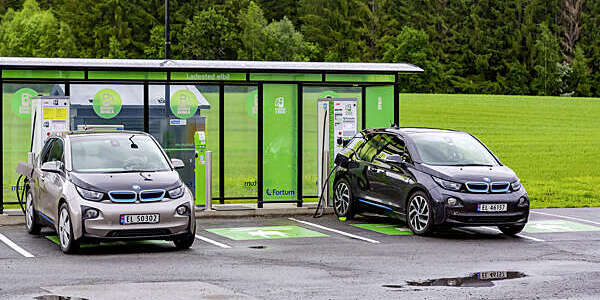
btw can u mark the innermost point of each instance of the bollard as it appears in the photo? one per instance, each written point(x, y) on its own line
point(208, 181)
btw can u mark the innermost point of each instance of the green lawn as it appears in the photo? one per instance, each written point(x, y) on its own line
point(552, 143)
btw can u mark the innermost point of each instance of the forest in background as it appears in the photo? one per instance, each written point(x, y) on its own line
point(514, 47)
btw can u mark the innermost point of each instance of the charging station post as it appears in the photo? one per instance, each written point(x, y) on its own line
point(200, 168)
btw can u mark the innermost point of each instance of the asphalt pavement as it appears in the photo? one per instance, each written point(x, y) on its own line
point(556, 257)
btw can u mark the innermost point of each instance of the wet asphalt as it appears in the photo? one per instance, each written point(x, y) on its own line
point(451, 264)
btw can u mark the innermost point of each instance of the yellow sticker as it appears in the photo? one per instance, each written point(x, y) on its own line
point(61, 114)
point(49, 113)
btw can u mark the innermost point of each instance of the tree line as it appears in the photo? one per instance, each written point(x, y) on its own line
point(523, 47)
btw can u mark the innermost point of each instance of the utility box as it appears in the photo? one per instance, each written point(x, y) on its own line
point(50, 115)
point(200, 168)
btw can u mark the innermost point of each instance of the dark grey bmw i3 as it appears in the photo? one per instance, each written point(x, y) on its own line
point(429, 177)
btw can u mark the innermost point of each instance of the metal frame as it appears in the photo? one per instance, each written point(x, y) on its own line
point(170, 66)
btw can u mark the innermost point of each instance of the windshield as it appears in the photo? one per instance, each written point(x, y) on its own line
point(116, 154)
point(452, 149)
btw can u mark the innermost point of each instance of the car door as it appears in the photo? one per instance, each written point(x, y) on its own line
point(371, 171)
point(396, 178)
point(52, 183)
point(39, 178)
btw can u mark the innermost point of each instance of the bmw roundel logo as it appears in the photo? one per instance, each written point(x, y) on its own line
point(486, 179)
point(136, 187)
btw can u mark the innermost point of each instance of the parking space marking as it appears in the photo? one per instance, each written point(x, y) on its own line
point(265, 232)
point(565, 217)
point(557, 225)
point(387, 229)
point(205, 239)
point(336, 231)
point(14, 246)
point(519, 235)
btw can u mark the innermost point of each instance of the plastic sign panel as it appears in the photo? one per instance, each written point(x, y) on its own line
point(265, 233)
point(107, 103)
point(379, 106)
point(280, 142)
point(184, 104)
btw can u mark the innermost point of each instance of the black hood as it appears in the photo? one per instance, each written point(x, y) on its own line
point(471, 173)
point(105, 182)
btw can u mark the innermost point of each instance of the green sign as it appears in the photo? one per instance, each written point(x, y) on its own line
point(205, 76)
point(285, 77)
point(107, 103)
point(379, 109)
point(360, 77)
point(330, 94)
point(556, 225)
point(138, 75)
point(265, 233)
point(184, 104)
point(280, 142)
point(252, 103)
point(388, 229)
point(48, 74)
point(21, 102)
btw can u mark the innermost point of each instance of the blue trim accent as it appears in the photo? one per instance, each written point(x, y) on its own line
point(374, 204)
point(477, 190)
point(501, 190)
point(45, 217)
point(122, 200)
point(163, 192)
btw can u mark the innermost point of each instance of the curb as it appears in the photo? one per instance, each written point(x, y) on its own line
point(7, 220)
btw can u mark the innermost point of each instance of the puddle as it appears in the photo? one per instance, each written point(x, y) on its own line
point(480, 279)
point(258, 247)
point(57, 297)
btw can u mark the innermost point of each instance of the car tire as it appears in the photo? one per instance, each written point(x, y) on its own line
point(511, 229)
point(30, 215)
point(344, 204)
point(419, 216)
point(67, 242)
point(186, 241)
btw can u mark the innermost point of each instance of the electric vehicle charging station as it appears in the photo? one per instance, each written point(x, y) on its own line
point(200, 168)
point(50, 115)
point(337, 122)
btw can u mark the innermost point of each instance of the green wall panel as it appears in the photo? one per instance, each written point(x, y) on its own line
point(360, 77)
point(43, 74)
point(285, 77)
point(379, 106)
point(280, 147)
point(134, 75)
point(208, 76)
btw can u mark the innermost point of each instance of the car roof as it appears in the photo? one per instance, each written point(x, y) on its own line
point(411, 130)
point(99, 132)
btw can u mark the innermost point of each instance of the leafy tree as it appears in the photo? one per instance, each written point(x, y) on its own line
point(253, 38)
point(546, 59)
point(35, 32)
point(580, 76)
point(209, 35)
point(156, 46)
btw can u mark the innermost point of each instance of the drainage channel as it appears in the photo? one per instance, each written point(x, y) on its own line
point(480, 279)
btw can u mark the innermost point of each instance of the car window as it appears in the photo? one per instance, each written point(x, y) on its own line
point(56, 152)
point(393, 146)
point(374, 145)
point(46, 150)
point(354, 145)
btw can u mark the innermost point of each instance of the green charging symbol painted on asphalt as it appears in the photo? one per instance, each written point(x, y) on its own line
point(107, 103)
point(184, 104)
point(388, 229)
point(21, 102)
point(265, 233)
point(547, 226)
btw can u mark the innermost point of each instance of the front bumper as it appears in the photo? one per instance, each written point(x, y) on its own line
point(467, 214)
point(107, 225)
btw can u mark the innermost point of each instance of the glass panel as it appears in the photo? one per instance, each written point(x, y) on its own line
point(241, 141)
point(49, 74)
point(285, 77)
point(360, 77)
point(309, 131)
point(280, 142)
point(127, 75)
point(379, 109)
point(174, 127)
point(16, 127)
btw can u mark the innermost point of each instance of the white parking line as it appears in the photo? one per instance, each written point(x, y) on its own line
point(565, 217)
point(519, 235)
point(14, 246)
point(212, 242)
point(336, 231)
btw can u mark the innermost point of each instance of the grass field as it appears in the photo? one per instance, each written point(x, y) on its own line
point(552, 143)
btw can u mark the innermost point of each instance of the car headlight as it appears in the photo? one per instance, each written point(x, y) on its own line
point(449, 185)
point(90, 195)
point(515, 186)
point(523, 202)
point(177, 192)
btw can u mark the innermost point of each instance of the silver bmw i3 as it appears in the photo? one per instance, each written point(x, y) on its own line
point(104, 186)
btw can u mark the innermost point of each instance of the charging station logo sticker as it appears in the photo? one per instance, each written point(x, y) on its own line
point(280, 105)
point(107, 103)
point(184, 104)
point(21, 102)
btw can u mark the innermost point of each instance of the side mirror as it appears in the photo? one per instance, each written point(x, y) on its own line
point(394, 158)
point(52, 167)
point(177, 163)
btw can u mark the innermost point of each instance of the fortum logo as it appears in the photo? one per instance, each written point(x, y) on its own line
point(280, 105)
point(276, 192)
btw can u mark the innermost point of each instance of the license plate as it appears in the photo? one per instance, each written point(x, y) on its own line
point(140, 219)
point(492, 207)
point(492, 275)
